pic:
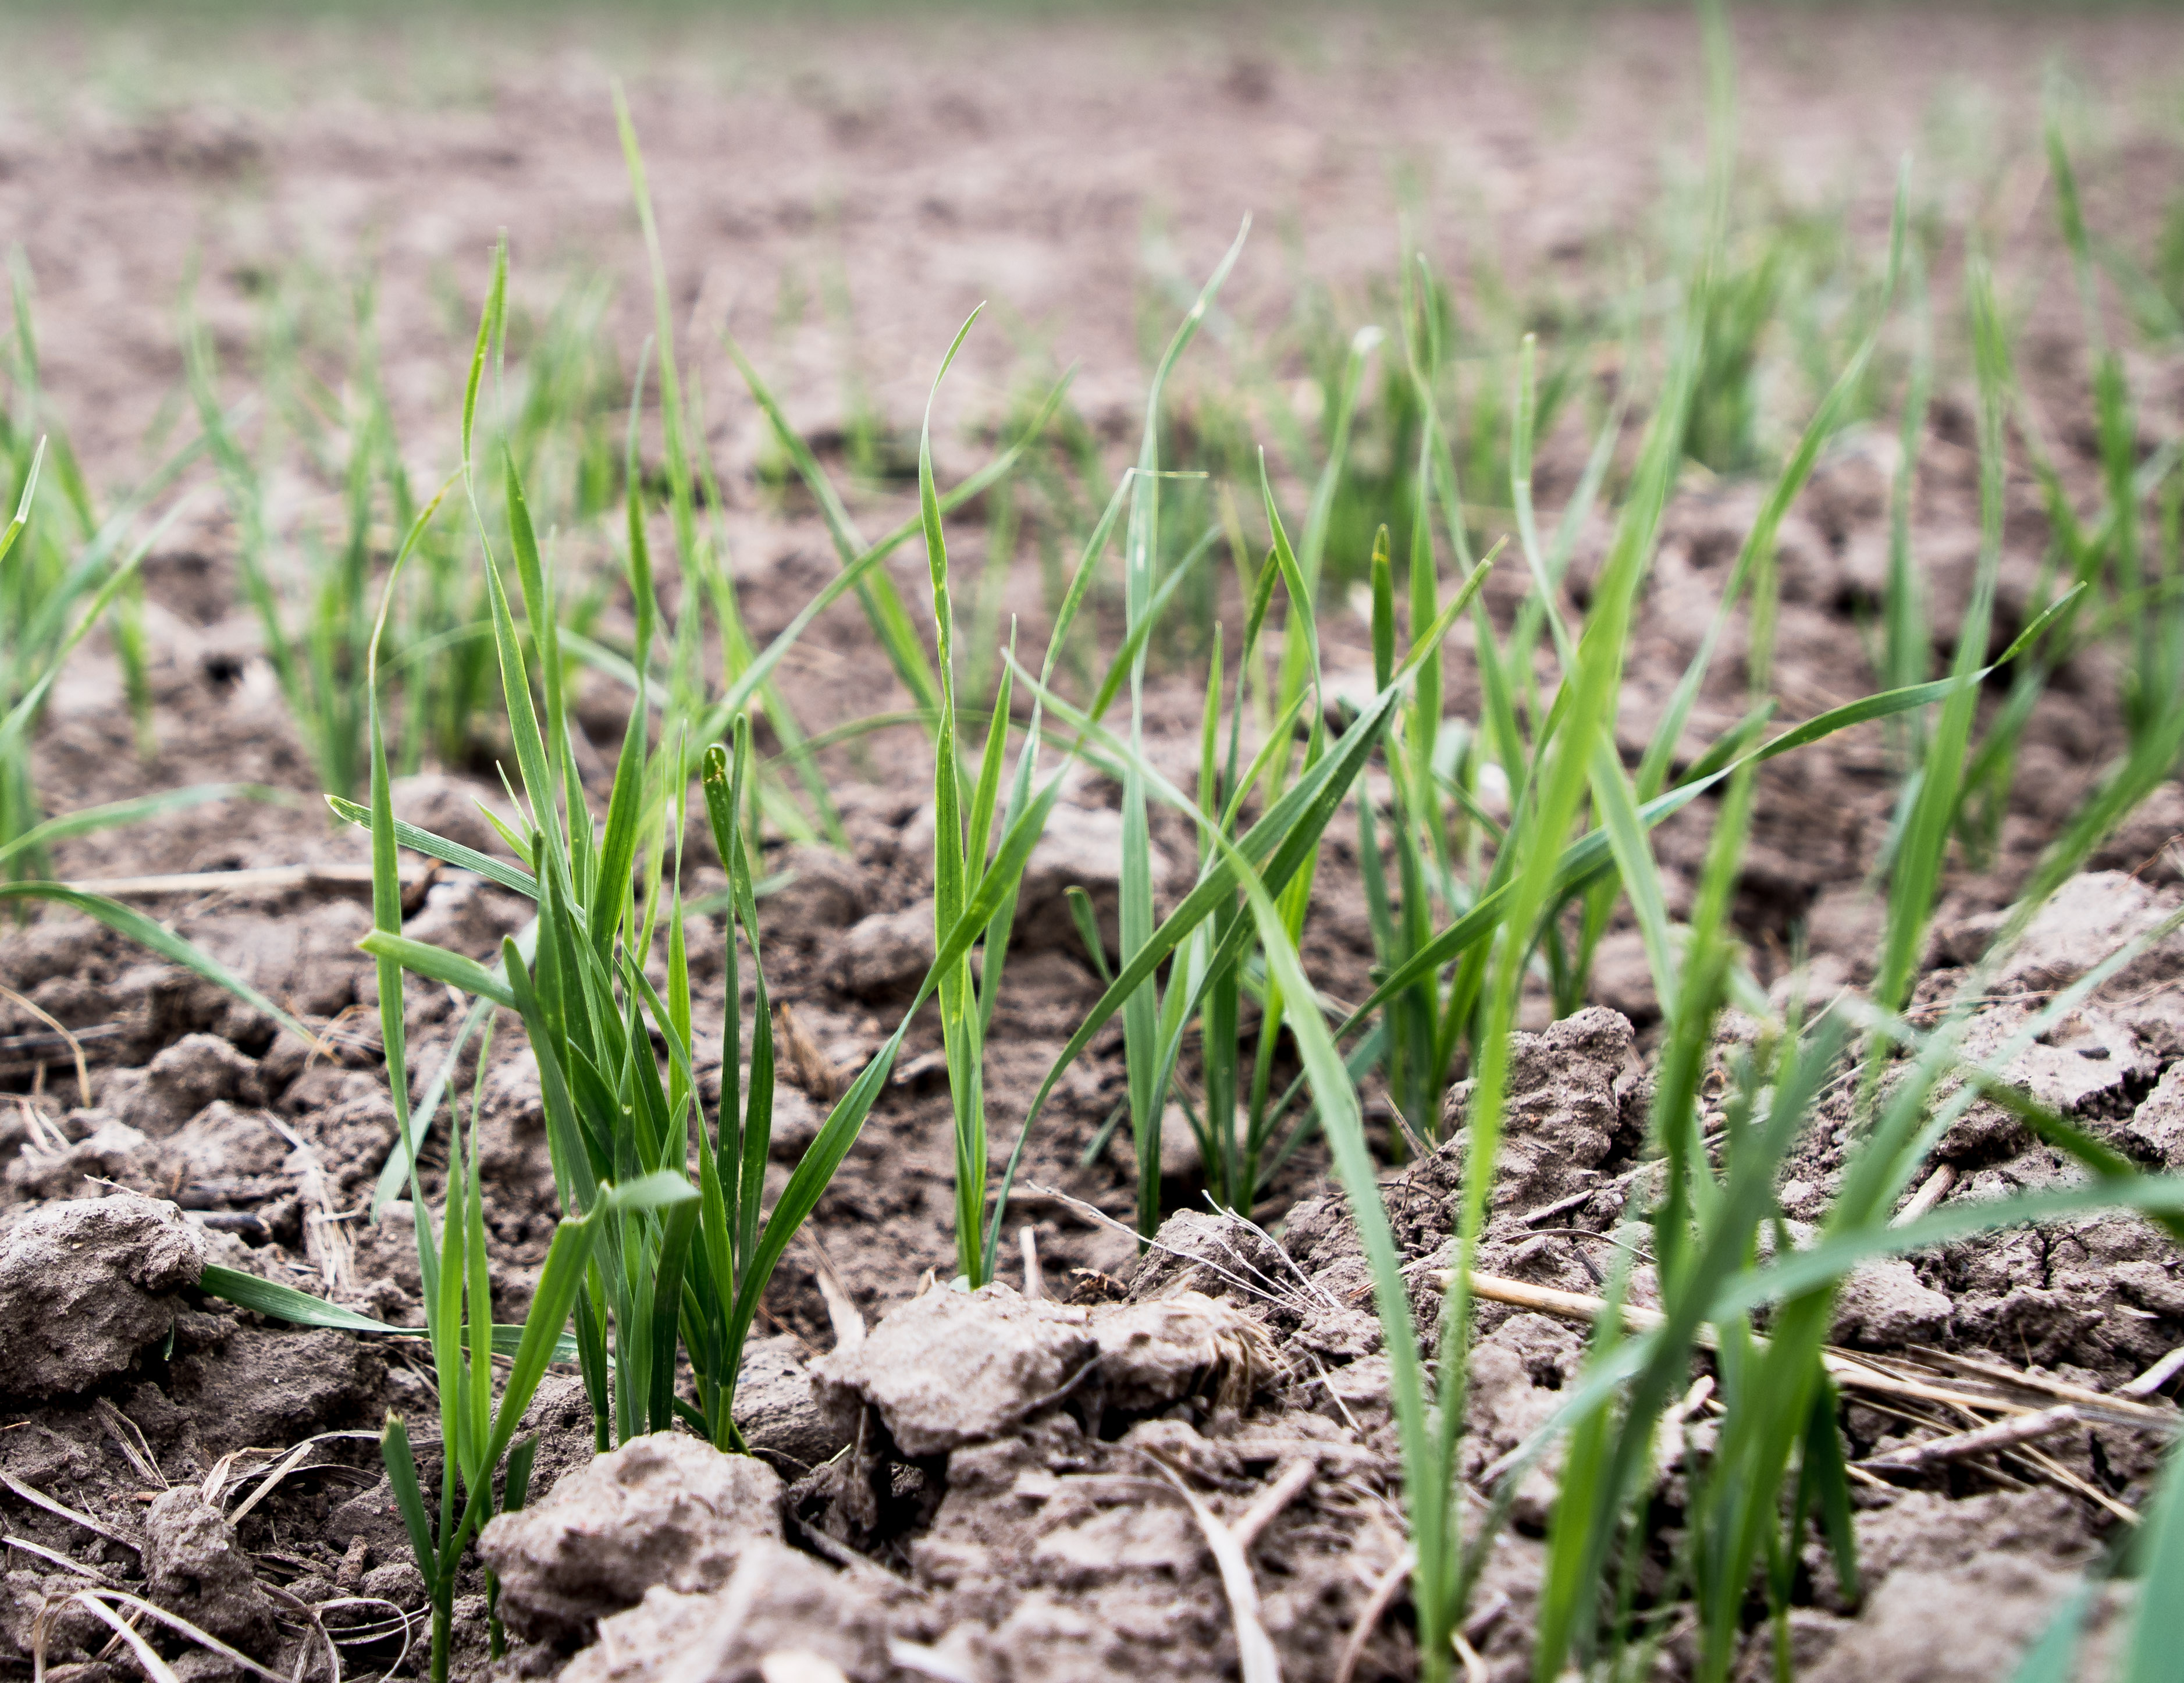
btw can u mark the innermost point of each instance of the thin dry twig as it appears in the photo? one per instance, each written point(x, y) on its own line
point(1560, 1206)
point(38, 1498)
point(2024, 1379)
point(929, 1662)
point(44, 1138)
point(2061, 1476)
point(291, 1463)
point(1485, 1618)
point(804, 1061)
point(310, 1616)
point(1282, 1250)
point(65, 1562)
point(129, 1437)
point(1034, 1286)
point(1268, 1507)
point(1935, 1187)
point(75, 1045)
point(1860, 1372)
point(96, 1600)
point(2008, 1434)
point(2156, 1376)
point(215, 1481)
point(1322, 1377)
point(257, 879)
point(156, 1668)
point(1255, 1650)
point(403, 1621)
point(842, 1311)
point(1390, 1585)
point(1100, 1218)
point(326, 1240)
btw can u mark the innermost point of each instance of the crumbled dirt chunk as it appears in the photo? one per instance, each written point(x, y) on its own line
point(1955, 1588)
point(954, 1368)
point(466, 917)
point(664, 1510)
point(1968, 1625)
point(1036, 1523)
point(84, 1285)
point(194, 1566)
point(1082, 848)
point(269, 1388)
point(2092, 1064)
point(398, 1581)
point(2090, 917)
point(1153, 1354)
point(559, 1420)
point(886, 952)
point(2154, 1131)
point(2150, 843)
point(1214, 1254)
point(220, 1156)
point(1885, 1306)
point(1515, 1372)
point(183, 1080)
point(72, 1633)
point(824, 891)
point(796, 1124)
point(1565, 1111)
point(370, 1521)
point(110, 1152)
point(780, 1608)
point(776, 1412)
point(448, 807)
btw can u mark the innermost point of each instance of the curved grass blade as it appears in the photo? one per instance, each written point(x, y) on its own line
point(301, 1309)
point(418, 840)
point(119, 814)
point(127, 921)
point(441, 965)
point(875, 589)
point(23, 504)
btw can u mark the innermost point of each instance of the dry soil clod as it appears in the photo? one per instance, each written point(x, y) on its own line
point(664, 1511)
point(84, 1285)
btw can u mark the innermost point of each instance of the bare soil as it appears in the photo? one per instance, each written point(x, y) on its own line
point(936, 166)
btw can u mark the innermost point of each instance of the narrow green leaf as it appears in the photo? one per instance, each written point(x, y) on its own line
point(409, 1500)
point(618, 845)
point(440, 964)
point(1616, 802)
point(424, 841)
point(1087, 931)
point(2054, 1657)
point(127, 921)
point(119, 814)
point(882, 604)
point(489, 321)
point(23, 502)
point(517, 1488)
point(2154, 1656)
point(675, 1236)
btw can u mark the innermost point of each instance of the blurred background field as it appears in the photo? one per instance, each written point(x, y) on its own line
point(842, 184)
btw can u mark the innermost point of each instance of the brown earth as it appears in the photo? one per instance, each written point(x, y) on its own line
point(937, 165)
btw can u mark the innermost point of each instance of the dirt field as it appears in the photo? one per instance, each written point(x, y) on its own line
point(1080, 174)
